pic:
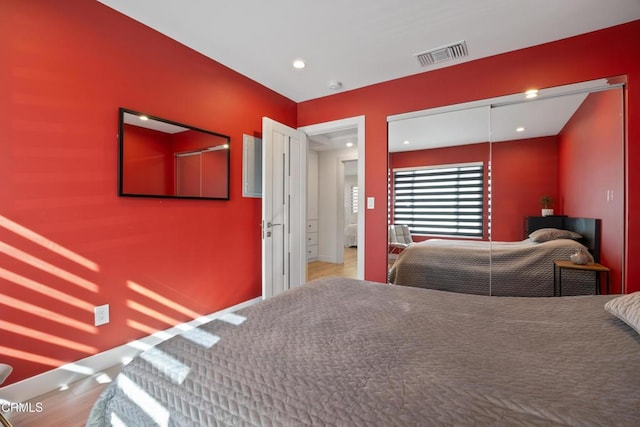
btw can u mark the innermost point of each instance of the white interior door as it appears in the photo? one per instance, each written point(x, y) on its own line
point(284, 182)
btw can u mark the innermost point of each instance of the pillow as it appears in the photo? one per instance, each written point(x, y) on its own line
point(544, 234)
point(627, 309)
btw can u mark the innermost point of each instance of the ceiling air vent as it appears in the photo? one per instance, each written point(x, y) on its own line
point(441, 54)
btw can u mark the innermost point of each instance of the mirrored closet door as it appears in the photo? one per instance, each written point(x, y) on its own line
point(439, 199)
point(558, 158)
point(468, 183)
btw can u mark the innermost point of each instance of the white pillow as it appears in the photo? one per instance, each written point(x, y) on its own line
point(546, 234)
point(627, 309)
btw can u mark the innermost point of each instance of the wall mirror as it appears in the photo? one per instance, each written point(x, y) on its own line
point(566, 143)
point(163, 158)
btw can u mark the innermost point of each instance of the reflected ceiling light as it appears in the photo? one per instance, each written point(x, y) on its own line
point(520, 129)
point(299, 64)
point(215, 148)
point(531, 93)
point(144, 118)
point(349, 144)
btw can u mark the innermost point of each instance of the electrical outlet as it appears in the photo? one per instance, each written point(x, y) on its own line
point(101, 314)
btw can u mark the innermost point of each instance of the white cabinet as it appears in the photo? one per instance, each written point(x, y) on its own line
point(312, 239)
point(312, 206)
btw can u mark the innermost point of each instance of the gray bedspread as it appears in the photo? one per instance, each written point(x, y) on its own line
point(523, 269)
point(351, 353)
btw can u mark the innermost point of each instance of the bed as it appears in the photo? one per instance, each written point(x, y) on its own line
point(351, 235)
point(523, 268)
point(346, 352)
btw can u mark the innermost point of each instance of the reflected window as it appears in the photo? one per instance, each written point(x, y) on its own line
point(354, 199)
point(444, 200)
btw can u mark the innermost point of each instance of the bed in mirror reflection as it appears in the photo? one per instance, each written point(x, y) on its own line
point(566, 142)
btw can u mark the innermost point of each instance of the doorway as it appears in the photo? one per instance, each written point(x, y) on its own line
point(335, 167)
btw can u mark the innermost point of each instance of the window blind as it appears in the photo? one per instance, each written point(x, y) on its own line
point(354, 199)
point(446, 200)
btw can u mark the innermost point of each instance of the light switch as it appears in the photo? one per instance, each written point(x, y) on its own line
point(371, 202)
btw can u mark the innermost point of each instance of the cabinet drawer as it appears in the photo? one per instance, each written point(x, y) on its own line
point(312, 226)
point(312, 251)
point(312, 238)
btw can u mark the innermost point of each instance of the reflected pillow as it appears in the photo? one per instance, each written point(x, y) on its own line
point(627, 309)
point(545, 234)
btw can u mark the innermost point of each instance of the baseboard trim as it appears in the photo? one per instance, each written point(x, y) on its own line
point(326, 258)
point(54, 379)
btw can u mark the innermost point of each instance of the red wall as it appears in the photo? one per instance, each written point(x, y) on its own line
point(147, 165)
point(214, 174)
point(440, 156)
point(591, 165)
point(523, 171)
point(68, 242)
point(595, 55)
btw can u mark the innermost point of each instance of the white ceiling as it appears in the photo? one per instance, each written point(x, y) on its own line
point(494, 119)
point(362, 42)
point(158, 125)
point(542, 117)
point(336, 140)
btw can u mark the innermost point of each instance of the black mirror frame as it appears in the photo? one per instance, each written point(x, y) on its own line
point(121, 112)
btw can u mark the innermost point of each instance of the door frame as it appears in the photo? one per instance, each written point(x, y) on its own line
point(336, 125)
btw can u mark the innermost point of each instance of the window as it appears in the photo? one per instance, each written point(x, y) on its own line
point(354, 199)
point(445, 200)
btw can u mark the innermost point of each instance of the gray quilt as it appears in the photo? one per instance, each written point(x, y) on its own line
point(523, 269)
point(350, 353)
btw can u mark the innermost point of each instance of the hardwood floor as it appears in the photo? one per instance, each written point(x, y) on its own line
point(70, 407)
point(349, 268)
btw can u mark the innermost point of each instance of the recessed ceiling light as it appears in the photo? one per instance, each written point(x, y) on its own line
point(520, 129)
point(531, 93)
point(406, 143)
point(144, 118)
point(299, 64)
point(349, 144)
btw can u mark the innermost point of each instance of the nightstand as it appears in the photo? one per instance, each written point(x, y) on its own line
point(559, 265)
